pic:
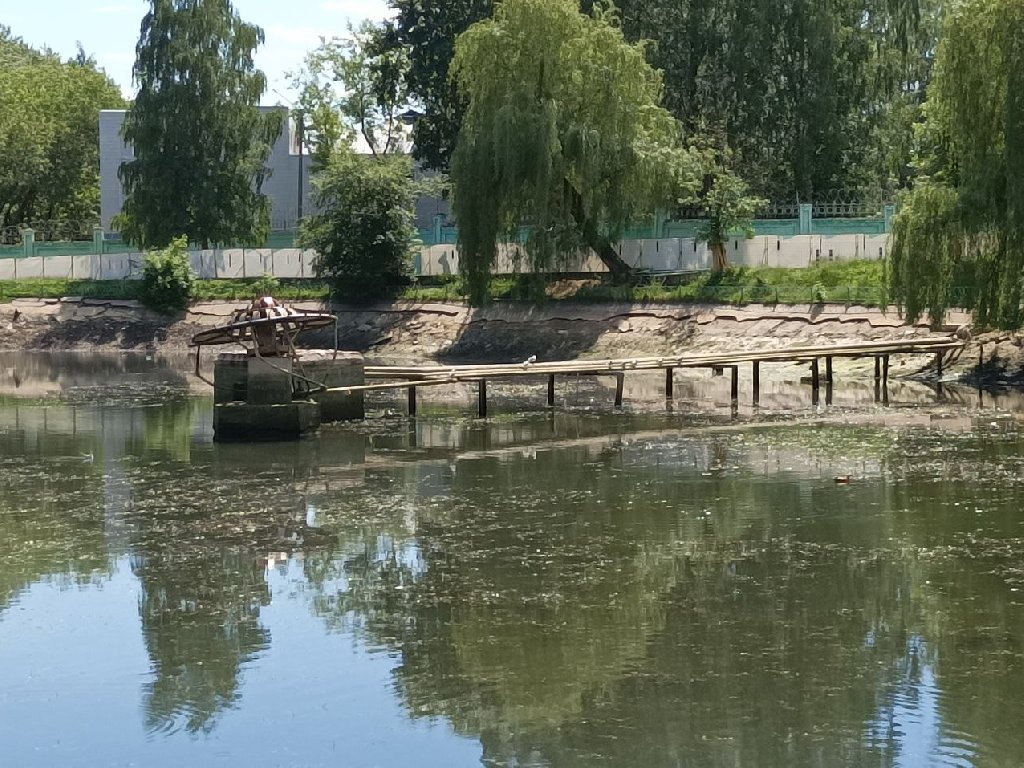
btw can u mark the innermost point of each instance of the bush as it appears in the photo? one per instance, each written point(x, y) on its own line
point(266, 285)
point(167, 278)
point(364, 235)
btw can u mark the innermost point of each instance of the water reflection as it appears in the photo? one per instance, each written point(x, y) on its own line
point(565, 589)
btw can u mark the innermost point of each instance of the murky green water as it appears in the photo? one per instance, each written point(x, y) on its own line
point(576, 590)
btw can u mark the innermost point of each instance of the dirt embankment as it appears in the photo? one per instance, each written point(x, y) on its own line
point(557, 330)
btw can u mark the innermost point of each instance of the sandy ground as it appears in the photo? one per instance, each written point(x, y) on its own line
point(411, 332)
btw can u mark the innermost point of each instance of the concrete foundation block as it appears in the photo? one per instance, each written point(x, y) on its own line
point(230, 377)
point(270, 381)
point(254, 423)
point(345, 370)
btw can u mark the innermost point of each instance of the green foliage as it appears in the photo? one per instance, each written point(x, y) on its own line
point(266, 285)
point(809, 96)
point(167, 277)
point(355, 85)
point(965, 221)
point(427, 30)
point(203, 290)
point(364, 234)
point(563, 131)
point(730, 206)
point(49, 134)
point(200, 140)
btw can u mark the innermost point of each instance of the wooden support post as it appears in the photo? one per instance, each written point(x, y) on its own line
point(756, 373)
point(670, 381)
point(981, 358)
point(828, 392)
point(482, 399)
point(620, 380)
point(878, 368)
point(412, 401)
point(939, 359)
point(551, 391)
point(885, 370)
point(815, 382)
point(734, 389)
point(828, 370)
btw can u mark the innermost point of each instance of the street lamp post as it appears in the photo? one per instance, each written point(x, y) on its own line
point(299, 128)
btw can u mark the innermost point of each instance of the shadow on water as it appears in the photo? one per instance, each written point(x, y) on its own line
point(569, 588)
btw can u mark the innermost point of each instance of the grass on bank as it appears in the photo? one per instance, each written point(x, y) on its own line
point(851, 282)
point(205, 290)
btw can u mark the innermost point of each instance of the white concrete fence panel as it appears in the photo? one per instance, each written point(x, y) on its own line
point(664, 255)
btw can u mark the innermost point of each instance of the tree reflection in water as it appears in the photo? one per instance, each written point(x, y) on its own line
point(673, 604)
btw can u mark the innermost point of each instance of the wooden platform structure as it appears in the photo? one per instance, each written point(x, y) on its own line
point(413, 377)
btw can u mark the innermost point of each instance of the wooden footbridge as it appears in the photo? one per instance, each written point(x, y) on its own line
point(412, 378)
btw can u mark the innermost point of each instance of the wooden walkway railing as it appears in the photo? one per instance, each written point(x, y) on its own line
point(413, 377)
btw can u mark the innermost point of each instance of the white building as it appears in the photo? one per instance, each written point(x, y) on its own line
point(282, 186)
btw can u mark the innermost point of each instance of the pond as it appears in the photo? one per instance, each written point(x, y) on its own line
point(837, 586)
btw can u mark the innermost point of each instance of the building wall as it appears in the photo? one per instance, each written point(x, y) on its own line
point(282, 187)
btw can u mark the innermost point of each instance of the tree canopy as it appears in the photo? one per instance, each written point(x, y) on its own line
point(49, 135)
point(200, 140)
point(354, 92)
point(427, 29)
point(563, 131)
point(959, 237)
point(808, 97)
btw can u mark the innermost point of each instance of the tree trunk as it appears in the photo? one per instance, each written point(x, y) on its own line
point(720, 261)
point(601, 245)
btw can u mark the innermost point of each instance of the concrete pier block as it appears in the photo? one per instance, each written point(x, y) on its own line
point(344, 371)
point(280, 421)
point(230, 377)
point(270, 381)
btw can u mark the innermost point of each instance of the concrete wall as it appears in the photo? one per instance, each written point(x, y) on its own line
point(662, 255)
point(687, 255)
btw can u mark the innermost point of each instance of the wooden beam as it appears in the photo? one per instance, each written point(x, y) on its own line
point(815, 382)
point(620, 380)
point(756, 375)
point(670, 383)
point(482, 398)
point(734, 387)
point(551, 391)
point(412, 401)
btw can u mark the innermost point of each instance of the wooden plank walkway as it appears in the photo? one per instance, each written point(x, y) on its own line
point(413, 377)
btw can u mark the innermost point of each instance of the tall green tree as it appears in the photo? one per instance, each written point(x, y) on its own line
point(427, 30)
point(201, 142)
point(963, 225)
point(49, 136)
point(563, 132)
point(354, 92)
point(810, 97)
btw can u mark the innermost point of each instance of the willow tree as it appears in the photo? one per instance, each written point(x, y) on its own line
point(563, 133)
point(963, 226)
point(201, 143)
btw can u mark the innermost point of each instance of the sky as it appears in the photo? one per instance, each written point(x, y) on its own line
point(109, 30)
